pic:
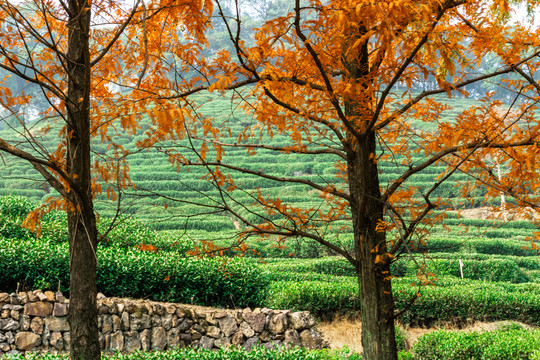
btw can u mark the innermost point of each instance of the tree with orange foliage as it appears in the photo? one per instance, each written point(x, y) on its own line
point(90, 59)
point(338, 78)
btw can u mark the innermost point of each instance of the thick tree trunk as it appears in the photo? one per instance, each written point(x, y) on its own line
point(82, 315)
point(377, 304)
point(372, 263)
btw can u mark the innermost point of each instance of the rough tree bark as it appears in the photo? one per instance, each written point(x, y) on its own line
point(377, 304)
point(370, 251)
point(82, 315)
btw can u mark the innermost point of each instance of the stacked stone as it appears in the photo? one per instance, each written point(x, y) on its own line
point(32, 321)
point(37, 321)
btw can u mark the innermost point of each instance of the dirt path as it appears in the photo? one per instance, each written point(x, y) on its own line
point(342, 332)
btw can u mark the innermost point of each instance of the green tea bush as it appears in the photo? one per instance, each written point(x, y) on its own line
point(257, 353)
point(492, 345)
point(508, 246)
point(333, 265)
point(162, 276)
point(13, 210)
point(457, 300)
point(503, 247)
point(15, 206)
point(528, 263)
point(323, 299)
point(504, 269)
point(489, 270)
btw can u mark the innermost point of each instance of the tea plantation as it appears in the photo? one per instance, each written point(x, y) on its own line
point(486, 273)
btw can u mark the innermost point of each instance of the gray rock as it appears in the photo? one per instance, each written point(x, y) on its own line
point(198, 328)
point(32, 297)
point(57, 341)
point(291, 338)
point(60, 298)
point(251, 342)
point(166, 321)
point(213, 332)
point(238, 338)
point(23, 297)
point(125, 321)
point(211, 319)
point(117, 341)
point(186, 338)
point(265, 336)
point(57, 324)
point(60, 309)
point(271, 345)
point(139, 323)
point(222, 342)
point(206, 343)
point(103, 309)
point(156, 320)
point(67, 338)
point(10, 338)
point(175, 321)
point(132, 341)
point(26, 340)
point(25, 323)
point(195, 335)
point(37, 325)
point(278, 323)
point(106, 324)
point(14, 299)
point(146, 340)
point(116, 323)
point(255, 320)
point(13, 307)
point(311, 339)
point(8, 325)
point(301, 320)
point(159, 338)
point(228, 325)
point(220, 314)
point(41, 296)
point(246, 329)
point(173, 339)
point(2, 338)
point(185, 324)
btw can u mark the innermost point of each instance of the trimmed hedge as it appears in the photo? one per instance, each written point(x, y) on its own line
point(506, 269)
point(162, 276)
point(458, 300)
point(489, 270)
point(478, 245)
point(491, 345)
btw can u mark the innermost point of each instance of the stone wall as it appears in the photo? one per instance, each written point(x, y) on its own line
point(37, 321)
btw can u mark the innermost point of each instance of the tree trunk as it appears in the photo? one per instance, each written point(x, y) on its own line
point(372, 262)
point(373, 270)
point(82, 315)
